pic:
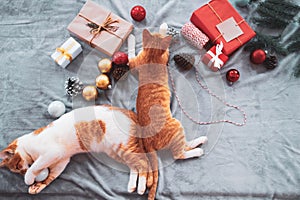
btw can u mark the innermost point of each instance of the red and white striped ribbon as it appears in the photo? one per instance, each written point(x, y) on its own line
point(212, 94)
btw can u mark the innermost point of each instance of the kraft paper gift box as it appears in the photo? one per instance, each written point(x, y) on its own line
point(68, 51)
point(219, 20)
point(100, 28)
point(214, 58)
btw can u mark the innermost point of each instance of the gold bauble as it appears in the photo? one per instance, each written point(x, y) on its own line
point(104, 65)
point(103, 82)
point(90, 93)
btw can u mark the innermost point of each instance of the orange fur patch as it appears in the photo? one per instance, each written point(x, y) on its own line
point(87, 132)
point(13, 161)
point(130, 114)
point(102, 125)
point(13, 146)
point(38, 131)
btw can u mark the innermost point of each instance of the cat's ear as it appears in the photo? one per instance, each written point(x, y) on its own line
point(6, 153)
point(146, 36)
point(166, 41)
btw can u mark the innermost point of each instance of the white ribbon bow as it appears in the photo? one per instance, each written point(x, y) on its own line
point(215, 60)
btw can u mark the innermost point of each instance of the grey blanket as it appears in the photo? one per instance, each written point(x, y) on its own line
point(260, 160)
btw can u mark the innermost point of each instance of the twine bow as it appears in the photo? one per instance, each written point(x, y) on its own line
point(220, 19)
point(215, 60)
point(105, 26)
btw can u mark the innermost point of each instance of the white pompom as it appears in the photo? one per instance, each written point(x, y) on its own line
point(56, 109)
point(42, 176)
point(163, 29)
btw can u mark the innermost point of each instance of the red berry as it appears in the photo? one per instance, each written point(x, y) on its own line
point(138, 13)
point(120, 58)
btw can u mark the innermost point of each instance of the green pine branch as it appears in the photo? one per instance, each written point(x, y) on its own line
point(297, 71)
point(294, 42)
point(296, 36)
point(294, 46)
point(266, 42)
point(287, 9)
point(267, 10)
point(283, 4)
point(275, 14)
point(270, 22)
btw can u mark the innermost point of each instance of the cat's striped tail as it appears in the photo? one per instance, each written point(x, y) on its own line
point(154, 164)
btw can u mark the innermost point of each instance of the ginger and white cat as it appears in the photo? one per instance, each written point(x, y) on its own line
point(91, 129)
point(159, 130)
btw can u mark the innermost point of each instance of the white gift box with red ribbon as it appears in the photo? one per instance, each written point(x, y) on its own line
point(215, 58)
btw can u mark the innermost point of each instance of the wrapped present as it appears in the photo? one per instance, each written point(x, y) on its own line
point(214, 58)
point(64, 54)
point(222, 23)
point(100, 28)
point(193, 35)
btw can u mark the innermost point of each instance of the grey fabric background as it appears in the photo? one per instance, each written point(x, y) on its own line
point(258, 161)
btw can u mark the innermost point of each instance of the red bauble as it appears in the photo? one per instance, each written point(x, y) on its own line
point(120, 58)
point(138, 13)
point(258, 56)
point(232, 75)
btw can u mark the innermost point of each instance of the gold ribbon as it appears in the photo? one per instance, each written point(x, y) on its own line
point(215, 12)
point(105, 26)
point(64, 52)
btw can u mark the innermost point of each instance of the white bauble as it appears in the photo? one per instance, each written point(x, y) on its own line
point(56, 109)
point(43, 175)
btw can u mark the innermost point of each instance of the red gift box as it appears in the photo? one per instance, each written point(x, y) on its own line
point(215, 58)
point(207, 17)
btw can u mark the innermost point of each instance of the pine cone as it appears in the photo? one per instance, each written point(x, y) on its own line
point(73, 86)
point(184, 60)
point(271, 62)
point(171, 31)
point(119, 71)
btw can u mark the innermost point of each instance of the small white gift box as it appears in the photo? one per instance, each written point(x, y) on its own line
point(67, 52)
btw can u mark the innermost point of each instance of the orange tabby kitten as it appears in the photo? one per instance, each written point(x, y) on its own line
point(159, 130)
point(91, 129)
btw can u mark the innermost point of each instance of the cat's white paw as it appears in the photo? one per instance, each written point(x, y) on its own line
point(203, 139)
point(131, 188)
point(29, 178)
point(132, 181)
point(196, 142)
point(196, 152)
point(142, 185)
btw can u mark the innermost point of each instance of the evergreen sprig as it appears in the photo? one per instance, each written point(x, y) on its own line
point(273, 11)
point(275, 14)
point(261, 41)
point(293, 43)
point(297, 71)
point(283, 4)
point(294, 46)
point(286, 9)
point(269, 22)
